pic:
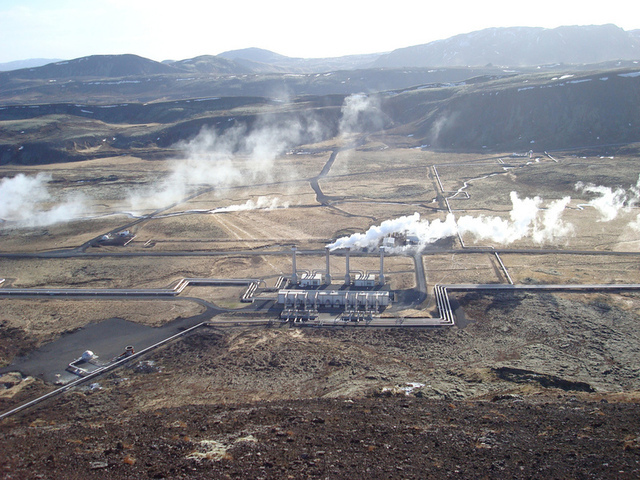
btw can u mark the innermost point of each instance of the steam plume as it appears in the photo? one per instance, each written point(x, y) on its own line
point(212, 158)
point(262, 203)
point(25, 200)
point(610, 202)
point(527, 219)
point(360, 112)
point(410, 225)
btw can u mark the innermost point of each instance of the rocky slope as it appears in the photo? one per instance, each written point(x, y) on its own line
point(533, 386)
point(386, 437)
point(549, 110)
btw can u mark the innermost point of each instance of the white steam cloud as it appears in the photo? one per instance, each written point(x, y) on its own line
point(427, 232)
point(208, 162)
point(25, 201)
point(359, 112)
point(212, 159)
point(526, 219)
point(261, 203)
point(441, 123)
point(609, 202)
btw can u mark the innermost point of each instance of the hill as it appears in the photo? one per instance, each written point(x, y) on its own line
point(211, 64)
point(253, 54)
point(514, 47)
point(70, 109)
point(266, 60)
point(495, 112)
point(205, 77)
point(94, 66)
point(549, 110)
point(518, 46)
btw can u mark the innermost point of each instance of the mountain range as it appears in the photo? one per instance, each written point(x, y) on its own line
point(508, 47)
point(521, 46)
point(556, 88)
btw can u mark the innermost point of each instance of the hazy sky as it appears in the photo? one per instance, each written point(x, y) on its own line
point(161, 30)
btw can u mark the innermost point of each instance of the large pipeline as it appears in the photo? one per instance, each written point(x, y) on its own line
point(143, 292)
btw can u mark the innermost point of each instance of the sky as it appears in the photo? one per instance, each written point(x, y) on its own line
point(177, 30)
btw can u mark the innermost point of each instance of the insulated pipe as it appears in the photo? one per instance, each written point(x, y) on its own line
point(359, 274)
point(327, 278)
point(347, 277)
point(294, 274)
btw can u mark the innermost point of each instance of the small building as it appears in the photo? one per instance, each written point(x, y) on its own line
point(366, 280)
point(311, 280)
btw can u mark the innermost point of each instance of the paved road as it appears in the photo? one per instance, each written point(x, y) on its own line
point(285, 251)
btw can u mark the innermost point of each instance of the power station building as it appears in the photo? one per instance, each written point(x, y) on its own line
point(314, 299)
point(356, 299)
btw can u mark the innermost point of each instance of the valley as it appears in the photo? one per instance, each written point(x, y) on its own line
point(497, 213)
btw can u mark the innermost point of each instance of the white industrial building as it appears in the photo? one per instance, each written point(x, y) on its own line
point(311, 280)
point(314, 299)
point(357, 298)
point(365, 280)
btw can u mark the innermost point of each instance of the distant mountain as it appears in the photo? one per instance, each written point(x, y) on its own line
point(259, 59)
point(519, 46)
point(96, 66)
point(513, 47)
point(29, 63)
point(253, 54)
point(210, 64)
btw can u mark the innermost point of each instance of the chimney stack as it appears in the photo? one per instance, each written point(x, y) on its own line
point(347, 277)
point(381, 277)
point(327, 278)
point(294, 275)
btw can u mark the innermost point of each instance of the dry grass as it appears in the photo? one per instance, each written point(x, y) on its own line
point(549, 268)
point(376, 183)
point(462, 268)
point(44, 320)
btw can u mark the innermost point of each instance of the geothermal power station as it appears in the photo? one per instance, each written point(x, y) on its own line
point(359, 297)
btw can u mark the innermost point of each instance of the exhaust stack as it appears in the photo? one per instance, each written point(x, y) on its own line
point(381, 277)
point(347, 277)
point(327, 278)
point(294, 274)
